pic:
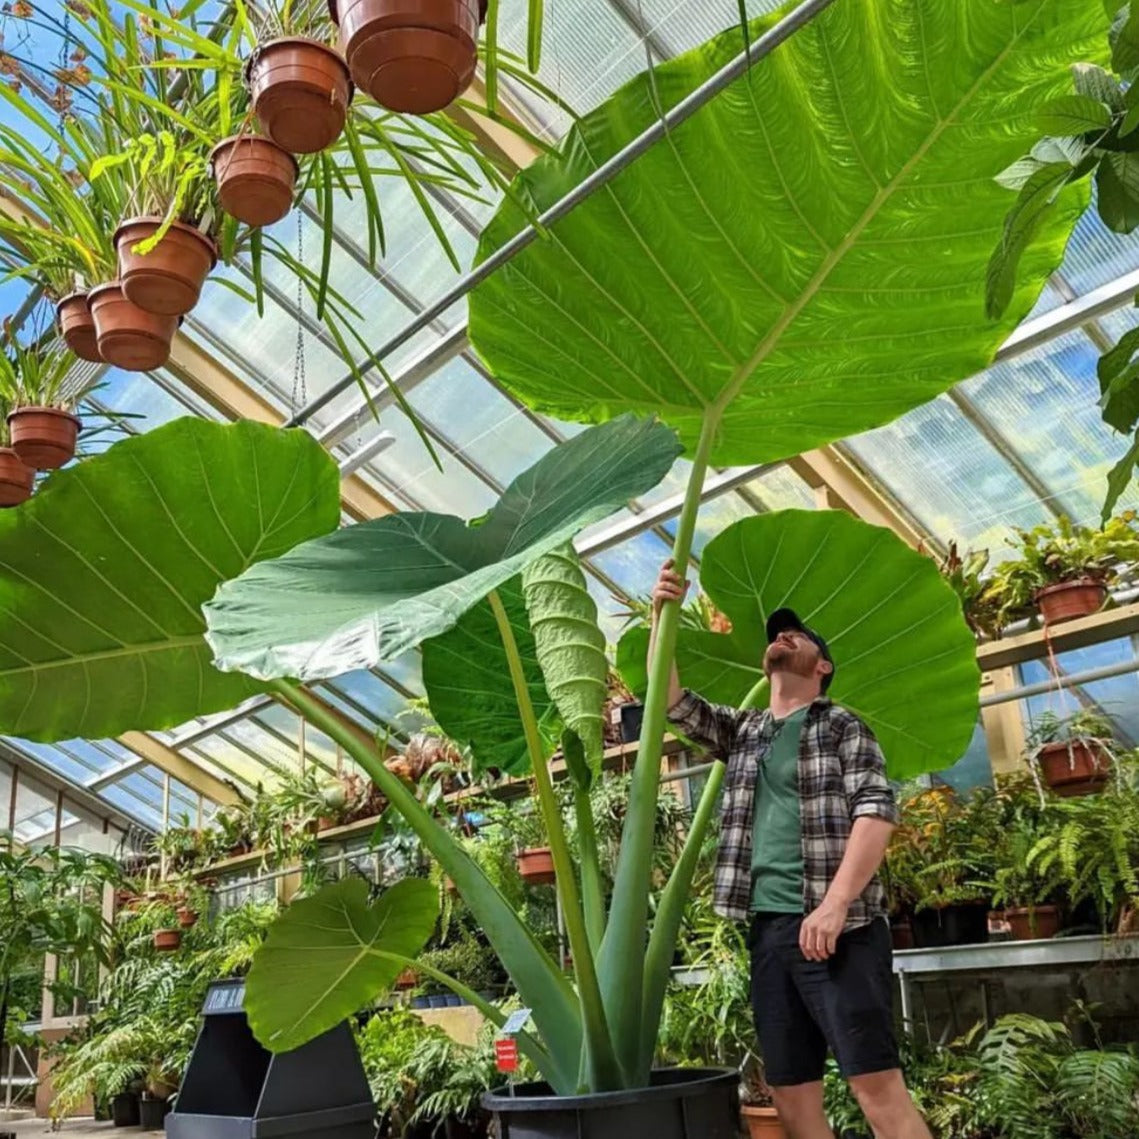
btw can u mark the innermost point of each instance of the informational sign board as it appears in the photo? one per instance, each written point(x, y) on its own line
point(515, 1022)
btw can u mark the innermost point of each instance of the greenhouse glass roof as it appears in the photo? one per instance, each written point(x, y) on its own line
point(1015, 445)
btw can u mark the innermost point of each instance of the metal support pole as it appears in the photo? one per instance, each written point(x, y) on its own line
point(605, 173)
point(1074, 681)
point(907, 1002)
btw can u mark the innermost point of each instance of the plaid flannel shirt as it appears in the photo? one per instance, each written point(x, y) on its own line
point(842, 777)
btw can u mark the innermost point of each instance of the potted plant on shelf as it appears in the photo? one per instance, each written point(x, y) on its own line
point(1025, 889)
point(952, 839)
point(979, 603)
point(1073, 755)
point(300, 87)
point(1064, 569)
point(37, 379)
point(535, 858)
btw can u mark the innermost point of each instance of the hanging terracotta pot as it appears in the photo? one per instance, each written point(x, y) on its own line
point(44, 437)
point(166, 940)
point(168, 280)
point(130, 337)
point(187, 916)
point(300, 90)
point(536, 866)
point(413, 56)
point(1071, 599)
point(16, 478)
point(77, 327)
point(1078, 767)
point(255, 178)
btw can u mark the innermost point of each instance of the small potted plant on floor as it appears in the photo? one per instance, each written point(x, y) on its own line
point(756, 1105)
point(1064, 569)
point(1073, 755)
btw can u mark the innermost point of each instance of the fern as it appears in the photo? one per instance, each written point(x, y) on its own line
point(1097, 1092)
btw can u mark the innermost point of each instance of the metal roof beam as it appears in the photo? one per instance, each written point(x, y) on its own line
point(181, 768)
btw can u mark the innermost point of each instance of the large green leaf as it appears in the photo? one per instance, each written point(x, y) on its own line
point(466, 676)
point(370, 592)
point(570, 646)
point(904, 659)
point(103, 573)
point(810, 248)
point(328, 956)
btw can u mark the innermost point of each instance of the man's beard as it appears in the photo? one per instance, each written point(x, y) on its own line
point(779, 658)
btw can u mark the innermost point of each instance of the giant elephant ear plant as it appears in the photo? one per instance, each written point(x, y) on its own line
point(817, 267)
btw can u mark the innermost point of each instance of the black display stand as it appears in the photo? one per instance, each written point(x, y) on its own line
point(235, 1089)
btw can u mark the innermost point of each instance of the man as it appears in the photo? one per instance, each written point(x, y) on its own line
point(807, 816)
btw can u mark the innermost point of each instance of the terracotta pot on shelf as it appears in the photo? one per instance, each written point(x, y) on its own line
point(130, 337)
point(1033, 924)
point(168, 280)
point(413, 56)
point(187, 917)
point(166, 940)
point(536, 866)
point(300, 90)
point(1078, 767)
point(77, 327)
point(255, 178)
point(1070, 599)
point(16, 478)
point(762, 1123)
point(408, 979)
point(44, 437)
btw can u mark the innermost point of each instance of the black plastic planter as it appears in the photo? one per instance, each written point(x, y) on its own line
point(124, 1110)
point(632, 716)
point(152, 1113)
point(966, 923)
point(682, 1103)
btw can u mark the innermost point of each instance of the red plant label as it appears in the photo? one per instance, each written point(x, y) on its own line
point(506, 1055)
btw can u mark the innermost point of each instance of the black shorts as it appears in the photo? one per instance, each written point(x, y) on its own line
point(801, 1007)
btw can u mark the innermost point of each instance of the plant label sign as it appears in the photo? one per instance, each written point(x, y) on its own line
point(506, 1054)
point(515, 1022)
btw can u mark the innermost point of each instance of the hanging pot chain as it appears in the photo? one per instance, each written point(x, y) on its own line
point(300, 383)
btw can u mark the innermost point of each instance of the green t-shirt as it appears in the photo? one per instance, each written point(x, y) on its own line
point(776, 849)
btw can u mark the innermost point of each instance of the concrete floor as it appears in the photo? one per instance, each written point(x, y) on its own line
point(35, 1128)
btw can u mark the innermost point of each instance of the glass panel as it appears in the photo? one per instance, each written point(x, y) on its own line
point(1117, 697)
point(633, 565)
point(480, 421)
point(1095, 255)
point(54, 758)
point(35, 808)
point(1046, 403)
point(684, 24)
point(949, 477)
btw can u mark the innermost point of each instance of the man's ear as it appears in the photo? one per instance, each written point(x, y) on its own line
point(825, 667)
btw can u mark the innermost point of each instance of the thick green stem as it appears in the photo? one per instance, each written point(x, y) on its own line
point(622, 958)
point(540, 982)
point(757, 690)
point(670, 915)
point(592, 885)
point(604, 1073)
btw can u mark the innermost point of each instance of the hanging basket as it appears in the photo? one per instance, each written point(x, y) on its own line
point(255, 179)
point(300, 89)
point(130, 337)
point(16, 478)
point(187, 917)
point(44, 437)
point(1074, 768)
point(168, 280)
point(411, 56)
point(167, 940)
point(77, 327)
point(1071, 599)
point(536, 866)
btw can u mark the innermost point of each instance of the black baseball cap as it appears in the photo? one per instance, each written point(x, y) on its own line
point(784, 620)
